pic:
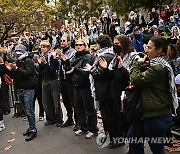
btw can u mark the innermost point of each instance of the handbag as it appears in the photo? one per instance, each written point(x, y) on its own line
point(7, 79)
point(133, 104)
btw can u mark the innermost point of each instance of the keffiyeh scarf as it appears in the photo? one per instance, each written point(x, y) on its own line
point(164, 63)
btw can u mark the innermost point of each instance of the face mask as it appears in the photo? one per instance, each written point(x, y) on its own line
point(117, 49)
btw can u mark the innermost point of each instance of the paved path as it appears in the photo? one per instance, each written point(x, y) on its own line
point(50, 140)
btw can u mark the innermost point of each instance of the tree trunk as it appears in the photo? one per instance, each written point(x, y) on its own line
point(4, 37)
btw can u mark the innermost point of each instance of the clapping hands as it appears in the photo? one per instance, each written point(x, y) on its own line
point(41, 60)
point(11, 66)
point(61, 55)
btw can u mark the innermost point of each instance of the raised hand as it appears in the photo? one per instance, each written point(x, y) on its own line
point(14, 66)
point(103, 63)
point(120, 64)
point(8, 66)
point(59, 52)
point(43, 60)
point(87, 68)
point(39, 59)
point(61, 55)
point(64, 57)
point(143, 59)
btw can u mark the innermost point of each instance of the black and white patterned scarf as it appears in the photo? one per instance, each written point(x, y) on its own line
point(164, 63)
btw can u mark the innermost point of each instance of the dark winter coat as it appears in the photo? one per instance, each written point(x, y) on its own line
point(80, 78)
point(24, 74)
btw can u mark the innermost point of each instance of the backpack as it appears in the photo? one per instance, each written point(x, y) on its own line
point(133, 104)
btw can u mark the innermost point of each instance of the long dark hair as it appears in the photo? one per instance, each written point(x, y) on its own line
point(126, 43)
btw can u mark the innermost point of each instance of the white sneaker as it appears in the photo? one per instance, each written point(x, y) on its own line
point(41, 118)
point(91, 135)
point(79, 132)
point(2, 127)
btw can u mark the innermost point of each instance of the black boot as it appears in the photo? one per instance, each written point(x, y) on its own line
point(68, 123)
point(26, 132)
point(31, 135)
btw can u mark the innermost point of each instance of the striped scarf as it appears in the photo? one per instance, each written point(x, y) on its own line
point(164, 63)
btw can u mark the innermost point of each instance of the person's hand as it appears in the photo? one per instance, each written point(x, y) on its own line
point(53, 53)
point(8, 66)
point(120, 64)
point(71, 71)
point(103, 63)
point(39, 59)
point(87, 68)
point(64, 57)
point(59, 52)
point(43, 60)
point(142, 59)
point(1, 60)
point(61, 55)
point(14, 66)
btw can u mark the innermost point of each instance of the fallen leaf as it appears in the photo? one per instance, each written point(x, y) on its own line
point(176, 145)
point(177, 149)
point(11, 140)
point(12, 133)
point(170, 149)
point(7, 148)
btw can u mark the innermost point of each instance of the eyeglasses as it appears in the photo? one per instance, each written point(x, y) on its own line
point(79, 45)
point(62, 40)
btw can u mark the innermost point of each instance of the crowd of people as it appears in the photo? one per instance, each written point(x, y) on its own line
point(143, 55)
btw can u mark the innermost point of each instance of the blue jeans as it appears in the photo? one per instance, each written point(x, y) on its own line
point(26, 98)
point(150, 128)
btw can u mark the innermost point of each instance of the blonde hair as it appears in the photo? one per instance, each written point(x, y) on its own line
point(45, 43)
point(84, 42)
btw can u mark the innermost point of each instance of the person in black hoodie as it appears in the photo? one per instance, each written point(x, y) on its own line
point(83, 99)
point(22, 71)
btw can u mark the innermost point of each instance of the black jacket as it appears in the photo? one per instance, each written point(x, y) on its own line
point(103, 79)
point(80, 78)
point(3, 71)
point(120, 81)
point(49, 70)
point(65, 65)
point(24, 74)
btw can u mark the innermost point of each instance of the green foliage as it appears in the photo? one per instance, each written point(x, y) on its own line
point(21, 14)
point(79, 10)
point(124, 6)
